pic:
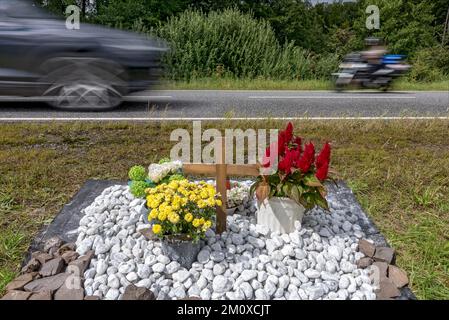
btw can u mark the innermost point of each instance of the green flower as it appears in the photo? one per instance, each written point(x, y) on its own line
point(137, 188)
point(137, 173)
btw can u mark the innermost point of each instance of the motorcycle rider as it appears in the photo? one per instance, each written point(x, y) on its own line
point(374, 54)
point(371, 68)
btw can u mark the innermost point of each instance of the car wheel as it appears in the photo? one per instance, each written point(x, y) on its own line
point(83, 84)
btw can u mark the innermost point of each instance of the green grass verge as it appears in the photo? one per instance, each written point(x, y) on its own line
point(399, 171)
point(263, 84)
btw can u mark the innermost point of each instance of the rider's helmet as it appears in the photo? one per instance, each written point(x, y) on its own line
point(373, 41)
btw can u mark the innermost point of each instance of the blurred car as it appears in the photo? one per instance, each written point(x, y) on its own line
point(91, 68)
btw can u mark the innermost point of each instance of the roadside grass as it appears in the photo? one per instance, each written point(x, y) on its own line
point(398, 170)
point(266, 84)
point(247, 84)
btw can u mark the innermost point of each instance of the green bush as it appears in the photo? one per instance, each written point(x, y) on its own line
point(325, 65)
point(233, 45)
point(229, 43)
point(430, 64)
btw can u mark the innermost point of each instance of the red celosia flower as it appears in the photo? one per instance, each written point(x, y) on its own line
point(306, 160)
point(322, 162)
point(298, 143)
point(289, 132)
point(286, 163)
point(324, 156)
point(295, 154)
point(281, 143)
point(321, 172)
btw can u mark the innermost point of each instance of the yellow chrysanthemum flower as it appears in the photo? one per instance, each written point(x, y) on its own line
point(208, 224)
point(204, 194)
point(201, 203)
point(162, 216)
point(211, 192)
point(173, 185)
point(153, 204)
point(196, 223)
point(188, 217)
point(168, 210)
point(154, 213)
point(183, 182)
point(157, 228)
point(210, 202)
point(218, 202)
point(174, 218)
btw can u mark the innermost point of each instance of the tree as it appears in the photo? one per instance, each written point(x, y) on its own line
point(405, 25)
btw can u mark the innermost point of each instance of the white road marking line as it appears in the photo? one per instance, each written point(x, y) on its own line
point(298, 91)
point(215, 119)
point(22, 99)
point(329, 97)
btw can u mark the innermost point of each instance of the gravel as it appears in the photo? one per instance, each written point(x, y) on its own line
point(316, 261)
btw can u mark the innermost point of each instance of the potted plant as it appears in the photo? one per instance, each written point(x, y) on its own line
point(180, 213)
point(296, 186)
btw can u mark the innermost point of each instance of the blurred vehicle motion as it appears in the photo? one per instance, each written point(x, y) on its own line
point(372, 68)
point(87, 69)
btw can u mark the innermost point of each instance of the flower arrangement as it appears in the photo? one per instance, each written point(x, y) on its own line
point(300, 173)
point(237, 193)
point(163, 172)
point(182, 209)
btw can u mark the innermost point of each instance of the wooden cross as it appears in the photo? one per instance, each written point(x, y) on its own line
point(221, 171)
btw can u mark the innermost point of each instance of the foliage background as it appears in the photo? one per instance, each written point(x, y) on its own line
point(283, 39)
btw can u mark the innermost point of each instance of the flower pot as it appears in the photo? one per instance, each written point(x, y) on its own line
point(230, 211)
point(183, 251)
point(280, 214)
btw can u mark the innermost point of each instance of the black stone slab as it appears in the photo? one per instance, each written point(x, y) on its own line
point(66, 222)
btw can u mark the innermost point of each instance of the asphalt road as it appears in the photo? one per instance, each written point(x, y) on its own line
point(254, 104)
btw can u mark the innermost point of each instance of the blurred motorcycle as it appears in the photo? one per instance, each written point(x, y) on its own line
point(355, 71)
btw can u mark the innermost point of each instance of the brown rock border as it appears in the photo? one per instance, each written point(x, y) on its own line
point(53, 279)
point(391, 279)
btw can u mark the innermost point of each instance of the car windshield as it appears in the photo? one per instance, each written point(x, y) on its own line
point(22, 9)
